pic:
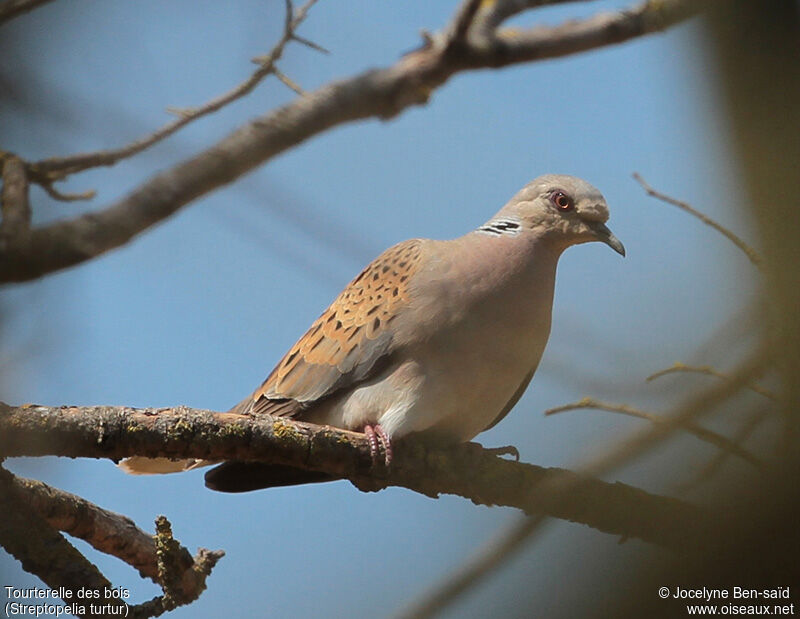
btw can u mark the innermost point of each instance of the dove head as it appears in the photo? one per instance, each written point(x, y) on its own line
point(565, 210)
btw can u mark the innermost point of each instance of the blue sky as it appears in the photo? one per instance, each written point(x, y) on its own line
point(198, 310)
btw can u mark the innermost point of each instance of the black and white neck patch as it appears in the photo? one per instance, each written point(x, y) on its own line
point(499, 227)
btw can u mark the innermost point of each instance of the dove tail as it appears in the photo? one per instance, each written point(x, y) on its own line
point(236, 476)
point(138, 465)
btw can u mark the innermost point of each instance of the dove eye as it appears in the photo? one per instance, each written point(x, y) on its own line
point(561, 201)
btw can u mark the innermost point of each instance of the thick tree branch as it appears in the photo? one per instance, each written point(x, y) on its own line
point(44, 551)
point(112, 534)
point(756, 45)
point(14, 204)
point(512, 539)
point(465, 470)
point(381, 93)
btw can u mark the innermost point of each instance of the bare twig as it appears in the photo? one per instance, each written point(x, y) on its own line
point(748, 427)
point(463, 470)
point(170, 559)
point(286, 80)
point(518, 44)
point(696, 406)
point(170, 568)
point(310, 44)
point(751, 253)
point(494, 554)
point(48, 170)
point(110, 533)
point(704, 434)
point(382, 93)
point(707, 370)
point(62, 196)
point(619, 455)
point(9, 9)
point(171, 572)
point(493, 14)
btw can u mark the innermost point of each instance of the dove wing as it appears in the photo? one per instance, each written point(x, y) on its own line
point(347, 343)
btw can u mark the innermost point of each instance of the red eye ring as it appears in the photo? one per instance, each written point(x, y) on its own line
point(561, 201)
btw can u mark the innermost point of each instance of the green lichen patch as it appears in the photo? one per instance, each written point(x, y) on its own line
point(285, 431)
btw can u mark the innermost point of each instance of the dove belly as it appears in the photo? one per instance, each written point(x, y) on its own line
point(468, 388)
point(448, 391)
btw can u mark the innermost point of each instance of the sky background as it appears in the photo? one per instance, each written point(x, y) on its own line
point(197, 310)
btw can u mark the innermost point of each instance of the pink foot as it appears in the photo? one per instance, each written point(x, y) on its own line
point(378, 439)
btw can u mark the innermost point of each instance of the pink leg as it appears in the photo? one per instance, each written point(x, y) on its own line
point(378, 439)
point(387, 444)
point(373, 443)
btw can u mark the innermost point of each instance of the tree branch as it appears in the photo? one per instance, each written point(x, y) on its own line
point(749, 426)
point(493, 555)
point(679, 367)
point(44, 551)
point(171, 572)
point(695, 407)
point(464, 470)
point(751, 253)
point(49, 170)
point(14, 205)
point(698, 431)
point(113, 534)
point(511, 540)
point(381, 93)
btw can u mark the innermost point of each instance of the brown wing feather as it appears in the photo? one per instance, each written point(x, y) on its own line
point(344, 344)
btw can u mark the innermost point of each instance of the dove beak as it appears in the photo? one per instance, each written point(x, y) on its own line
point(603, 234)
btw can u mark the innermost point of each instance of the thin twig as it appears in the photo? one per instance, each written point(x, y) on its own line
point(751, 253)
point(487, 559)
point(65, 196)
point(48, 170)
point(310, 44)
point(704, 434)
point(707, 370)
point(622, 453)
point(288, 81)
point(170, 574)
point(696, 406)
point(743, 433)
point(170, 564)
point(493, 14)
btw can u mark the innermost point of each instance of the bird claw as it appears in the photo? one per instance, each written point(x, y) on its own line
point(379, 441)
point(508, 450)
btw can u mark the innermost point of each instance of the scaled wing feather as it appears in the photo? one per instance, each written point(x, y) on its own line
point(345, 345)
